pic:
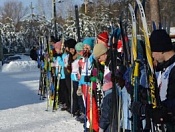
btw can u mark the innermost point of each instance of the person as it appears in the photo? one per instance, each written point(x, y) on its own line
point(78, 106)
point(86, 66)
point(164, 63)
point(164, 55)
point(68, 58)
point(102, 54)
point(33, 53)
point(57, 75)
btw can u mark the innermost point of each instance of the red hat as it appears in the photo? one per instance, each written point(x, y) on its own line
point(103, 37)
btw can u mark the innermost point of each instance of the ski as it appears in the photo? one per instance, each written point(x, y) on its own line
point(126, 50)
point(151, 78)
point(152, 83)
point(114, 36)
point(135, 76)
point(58, 76)
point(72, 101)
point(48, 80)
point(77, 23)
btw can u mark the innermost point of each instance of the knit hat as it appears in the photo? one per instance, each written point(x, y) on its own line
point(99, 49)
point(103, 36)
point(120, 71)
point(79, 46)
point(53, 39)
point(70, 43)
point(160, 41)
point(89, 41)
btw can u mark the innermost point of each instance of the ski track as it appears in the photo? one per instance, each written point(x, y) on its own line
point(22, 111)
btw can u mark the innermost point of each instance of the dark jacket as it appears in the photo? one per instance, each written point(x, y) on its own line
point(33, 54)
point(106, 110)
point(170, 101)
point(167, 108)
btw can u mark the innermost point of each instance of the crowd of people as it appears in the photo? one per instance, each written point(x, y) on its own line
point(86, 83)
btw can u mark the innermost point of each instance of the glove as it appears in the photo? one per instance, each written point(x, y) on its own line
point(93, 79)
point(101, 130)
point(100, 76)
point(79, 91)
point(160, 115)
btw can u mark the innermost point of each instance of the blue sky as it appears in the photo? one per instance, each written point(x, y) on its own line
point(28, 2)
point(35, 3)
point(25, 2)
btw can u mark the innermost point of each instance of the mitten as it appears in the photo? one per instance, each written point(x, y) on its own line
point(160, 115)
point(79, 91)
point(101, 130)
point(93, 79)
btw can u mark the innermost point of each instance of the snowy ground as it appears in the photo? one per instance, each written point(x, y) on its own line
point(20, 107)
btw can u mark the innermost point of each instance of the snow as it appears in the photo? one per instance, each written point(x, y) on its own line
point(21, 110)
point(172, 30)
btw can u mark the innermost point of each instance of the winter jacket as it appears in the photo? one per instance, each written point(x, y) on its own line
point(167, 97)
point(33, 54)
point(170, 97)
point(106, 111)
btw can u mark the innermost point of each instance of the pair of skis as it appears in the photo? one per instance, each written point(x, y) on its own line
point(135, 77)
point(42, 79)
point(150, 70)
point(51, 79)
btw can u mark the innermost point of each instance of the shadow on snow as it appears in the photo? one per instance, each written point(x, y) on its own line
point(18, 89)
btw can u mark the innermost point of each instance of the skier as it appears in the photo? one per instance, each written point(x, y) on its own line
point(78, 106)
point(101, 53)
point(58, 65)
point(33, 53)
point(164, 59)
point(162, 52)
point(68, 58)
point(86, 65)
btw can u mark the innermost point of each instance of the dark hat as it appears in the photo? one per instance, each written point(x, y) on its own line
point(160, 41)
point(70, 43)
point(53, 39)
point(120, 71)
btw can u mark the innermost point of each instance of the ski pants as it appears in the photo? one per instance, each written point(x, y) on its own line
point(95, 115)
point(61, 91)
point(77, 100)
point(68, 90)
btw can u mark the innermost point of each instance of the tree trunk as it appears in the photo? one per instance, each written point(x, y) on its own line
point(1, 48)
point(154, 12)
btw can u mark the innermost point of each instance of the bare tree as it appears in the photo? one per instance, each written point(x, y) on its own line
point(14, 10)
point(167, 13)
point(41, 7)
point(154, 11)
